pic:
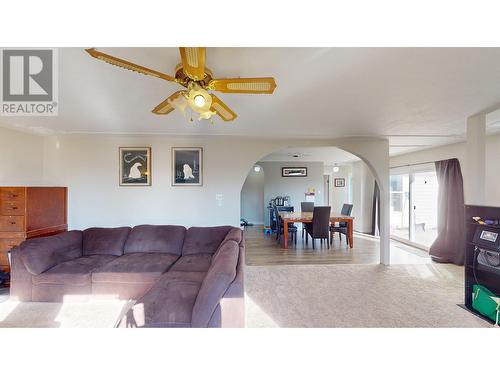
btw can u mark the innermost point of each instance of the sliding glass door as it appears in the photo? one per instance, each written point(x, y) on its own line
point(424, 203)
point(400, 206)
point(414, 204)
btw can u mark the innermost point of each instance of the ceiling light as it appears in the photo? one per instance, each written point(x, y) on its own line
point(257, 168)
point(336, 169)
point(199, 100)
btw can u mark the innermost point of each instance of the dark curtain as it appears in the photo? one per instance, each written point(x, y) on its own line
point(376, 211)
point(450, 243)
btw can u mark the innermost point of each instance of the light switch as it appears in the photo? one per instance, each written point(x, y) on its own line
point(218, 198)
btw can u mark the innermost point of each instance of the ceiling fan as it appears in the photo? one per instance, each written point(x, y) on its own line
point(197, 81)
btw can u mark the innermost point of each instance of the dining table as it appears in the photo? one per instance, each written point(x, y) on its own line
point(307, 217)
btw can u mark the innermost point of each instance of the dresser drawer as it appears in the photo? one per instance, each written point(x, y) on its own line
point(7, 244)
point(12, 194)
point(11, 224)
point(9, 207)
point(4, 261)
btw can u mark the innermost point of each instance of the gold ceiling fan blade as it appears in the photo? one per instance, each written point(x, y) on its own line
point(127, 64)
point(193, 62)
point(169, 104)
point(222, 109)
point(264, 85)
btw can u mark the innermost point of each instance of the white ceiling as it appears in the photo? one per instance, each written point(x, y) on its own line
point(416, 97)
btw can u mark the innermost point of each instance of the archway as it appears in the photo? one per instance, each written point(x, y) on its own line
point(374, 152)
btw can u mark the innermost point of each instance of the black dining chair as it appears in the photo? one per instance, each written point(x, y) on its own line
point(341, 229)
point(292, 228)
point(319, 228)
point(306, 207)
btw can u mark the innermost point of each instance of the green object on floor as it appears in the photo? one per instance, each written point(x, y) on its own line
point(482, 301)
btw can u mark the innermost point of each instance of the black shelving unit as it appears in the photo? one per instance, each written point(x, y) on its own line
point(488, 279)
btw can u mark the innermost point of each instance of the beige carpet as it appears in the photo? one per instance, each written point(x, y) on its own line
point(92, 314)
point(419, 295)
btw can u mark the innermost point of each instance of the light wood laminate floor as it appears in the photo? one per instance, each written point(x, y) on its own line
point(263, 249)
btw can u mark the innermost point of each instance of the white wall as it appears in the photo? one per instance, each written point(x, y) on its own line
point(338, 195)
point(362, 190)
point(252, 197)
point(21, 156)
point(294, 187)
point(88, 166)
point(458, 150)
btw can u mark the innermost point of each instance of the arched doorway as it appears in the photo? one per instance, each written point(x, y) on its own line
point(326, 175)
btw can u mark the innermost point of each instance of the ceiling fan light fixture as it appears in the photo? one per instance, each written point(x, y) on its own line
point(196, 78)
point(199, 101)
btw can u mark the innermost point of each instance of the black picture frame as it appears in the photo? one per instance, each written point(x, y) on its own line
point(135, 166)
point(339, 182)
point(187, 166)
point(294, 172)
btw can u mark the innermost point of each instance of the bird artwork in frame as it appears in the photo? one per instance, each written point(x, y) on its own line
point(187, 166)
point(135, 166)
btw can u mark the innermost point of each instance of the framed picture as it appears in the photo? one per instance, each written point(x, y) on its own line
point(135, 166)
point(339, 182)
point(187, 166)
point(293, 172)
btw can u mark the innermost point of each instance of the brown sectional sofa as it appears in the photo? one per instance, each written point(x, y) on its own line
point(178, 277)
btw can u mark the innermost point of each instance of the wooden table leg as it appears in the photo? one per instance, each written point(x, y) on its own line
point(285, 233)
point(351, 234)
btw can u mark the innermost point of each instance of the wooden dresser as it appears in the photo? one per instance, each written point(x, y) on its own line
point(27, 212)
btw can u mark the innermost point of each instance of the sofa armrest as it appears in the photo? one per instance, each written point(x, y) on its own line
point(40, 254)
point(219, 277)
point(20, 277)
point(231, 310)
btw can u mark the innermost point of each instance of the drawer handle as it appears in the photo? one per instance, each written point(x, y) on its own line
point(12, 222)
point(14, 207)
point(13, 196)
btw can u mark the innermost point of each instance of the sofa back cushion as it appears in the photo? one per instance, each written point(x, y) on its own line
point(155, 239)
point(204, 240)
point(41, 254)
point(219, 276)
point(104, 241)
point(235, 234)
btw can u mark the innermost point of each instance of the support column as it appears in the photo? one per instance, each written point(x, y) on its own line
point(475, 166)
point(385, 231)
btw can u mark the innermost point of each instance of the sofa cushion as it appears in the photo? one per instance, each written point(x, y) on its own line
point(134, 268)
point(205, 240)
point(195, 263)
point(41, 254)
point(235, 234)
point(155, 239)
point(75, 272)
point(169, 303)
point(104, 241)
point(220, 275)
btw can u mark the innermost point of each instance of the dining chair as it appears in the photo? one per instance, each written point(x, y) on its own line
point(292, 229)
point(320, 225)
point(342, 227)
point(306, 207)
